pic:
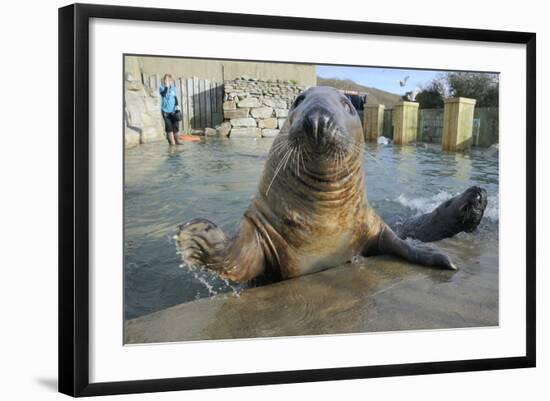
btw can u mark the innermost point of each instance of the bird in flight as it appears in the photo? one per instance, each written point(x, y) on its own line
point(403, 82)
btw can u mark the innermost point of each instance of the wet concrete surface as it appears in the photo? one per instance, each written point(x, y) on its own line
point(374, 294)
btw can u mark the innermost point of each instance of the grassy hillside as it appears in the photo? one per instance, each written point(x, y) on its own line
point(375, 96)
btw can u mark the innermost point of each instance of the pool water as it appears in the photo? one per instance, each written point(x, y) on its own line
point(217, 178)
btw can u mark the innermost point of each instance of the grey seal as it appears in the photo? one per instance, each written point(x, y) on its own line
point(310, 211)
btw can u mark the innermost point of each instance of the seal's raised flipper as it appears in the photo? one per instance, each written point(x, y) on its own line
point(391, 244)
point(203, 244)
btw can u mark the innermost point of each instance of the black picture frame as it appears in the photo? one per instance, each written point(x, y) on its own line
point(74, 198)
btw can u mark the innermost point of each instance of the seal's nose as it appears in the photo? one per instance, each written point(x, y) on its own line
point(478, 194)
point(316, 122)
point(482, 196)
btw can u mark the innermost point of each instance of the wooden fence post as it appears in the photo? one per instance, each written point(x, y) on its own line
point(458, 117)
point(405, 122)
point(373, 119)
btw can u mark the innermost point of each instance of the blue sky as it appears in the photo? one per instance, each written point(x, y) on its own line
point(382, 78)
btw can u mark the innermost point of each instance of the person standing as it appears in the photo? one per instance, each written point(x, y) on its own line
point(169, 102)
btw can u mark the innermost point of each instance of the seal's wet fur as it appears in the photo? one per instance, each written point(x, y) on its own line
point(310, 211)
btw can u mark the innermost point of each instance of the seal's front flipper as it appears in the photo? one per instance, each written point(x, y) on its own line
point(201, 243)
point(391, 244)
point(244, 257)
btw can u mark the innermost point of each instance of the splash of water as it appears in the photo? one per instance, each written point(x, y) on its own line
point(491, 212)
point(424, 205)
point(204, 281)
point(208, 278)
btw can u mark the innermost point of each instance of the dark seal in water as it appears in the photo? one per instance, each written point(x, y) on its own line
point(461, 213)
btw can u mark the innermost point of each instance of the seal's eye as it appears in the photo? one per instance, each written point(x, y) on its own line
point(298, 100)
point(347, 106)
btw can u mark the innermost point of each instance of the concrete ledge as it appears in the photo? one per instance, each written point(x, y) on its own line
point(378, 294)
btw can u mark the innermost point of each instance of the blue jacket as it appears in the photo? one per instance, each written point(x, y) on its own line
point(168, 98)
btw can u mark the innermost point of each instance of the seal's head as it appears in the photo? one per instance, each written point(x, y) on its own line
point(467, 208)
point(321, 143)
point(325, 123)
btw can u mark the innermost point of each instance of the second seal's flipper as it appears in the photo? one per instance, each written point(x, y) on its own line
point(391, 244)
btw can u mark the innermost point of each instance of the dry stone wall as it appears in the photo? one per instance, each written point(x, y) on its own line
point(255, 108)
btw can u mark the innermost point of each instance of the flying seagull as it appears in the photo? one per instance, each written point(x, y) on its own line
point(403, 82)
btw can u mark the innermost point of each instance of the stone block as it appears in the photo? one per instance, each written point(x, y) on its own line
point(223, 129)
point(249, 102)
point(280, 122)
point(261, 112)
point(245, 133)
point(269, 102)
point(243, 122)
point(267, 123)
point(281, 113)
point(210, 132)
point(238, 113)
point(229, 105)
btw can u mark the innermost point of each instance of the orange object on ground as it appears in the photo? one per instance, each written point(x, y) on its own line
point(189, 138)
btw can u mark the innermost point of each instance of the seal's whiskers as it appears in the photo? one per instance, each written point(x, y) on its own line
point(295, 162)
point(302, 157)
point(281, 145)
point(283, 160)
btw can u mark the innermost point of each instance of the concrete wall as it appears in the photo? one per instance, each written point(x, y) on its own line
point(142, 116)
point(485, 130)
point(430, 125)
point(387, 124)
point(220, 70)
